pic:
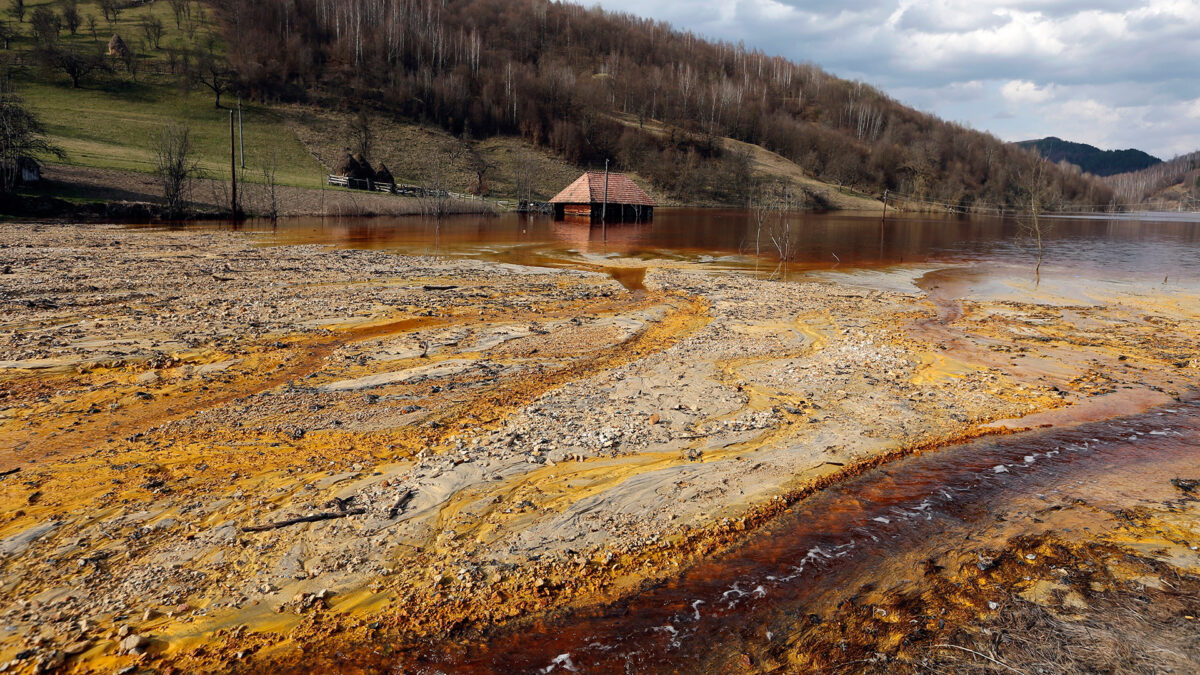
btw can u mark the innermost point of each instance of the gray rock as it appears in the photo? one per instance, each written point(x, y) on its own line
point(135, 644)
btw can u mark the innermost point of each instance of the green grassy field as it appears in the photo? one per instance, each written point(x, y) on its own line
point(115, 119)
point(195, 31)
point(117, 127)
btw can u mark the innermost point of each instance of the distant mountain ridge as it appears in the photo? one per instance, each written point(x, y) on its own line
point(1091, 159)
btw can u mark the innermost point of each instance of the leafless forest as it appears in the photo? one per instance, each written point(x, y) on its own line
point(558, 75)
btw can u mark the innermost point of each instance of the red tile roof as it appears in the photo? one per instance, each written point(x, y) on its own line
point(589, 188)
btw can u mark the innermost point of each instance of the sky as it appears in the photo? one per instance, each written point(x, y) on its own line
point(1112, 73)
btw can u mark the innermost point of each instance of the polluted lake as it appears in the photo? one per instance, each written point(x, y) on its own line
point(513, 444)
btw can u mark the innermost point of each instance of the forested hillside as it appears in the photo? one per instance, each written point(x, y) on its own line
point(1176, 181)
point(555, 74)
point(1091, 159)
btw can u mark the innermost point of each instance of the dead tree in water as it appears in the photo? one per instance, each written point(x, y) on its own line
point(435, 192)
point(762, 203)
point(782, 234)
point(435, 189)
point(1036, 183)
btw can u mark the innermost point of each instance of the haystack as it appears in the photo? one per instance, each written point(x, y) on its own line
point(117, 47)
point(364, 166)
point(354, 166)
point(383, 175)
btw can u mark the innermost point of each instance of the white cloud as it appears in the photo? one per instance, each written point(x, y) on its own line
point(1101, 71)
point(1024, 91)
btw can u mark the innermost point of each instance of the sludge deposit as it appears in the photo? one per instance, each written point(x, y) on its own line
point(219, 455)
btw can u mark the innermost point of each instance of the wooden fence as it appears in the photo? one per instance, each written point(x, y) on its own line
point(420, 192)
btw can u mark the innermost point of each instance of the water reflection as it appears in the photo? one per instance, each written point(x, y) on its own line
point(727, 237)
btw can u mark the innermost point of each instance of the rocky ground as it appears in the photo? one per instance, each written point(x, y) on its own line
point(217, 455)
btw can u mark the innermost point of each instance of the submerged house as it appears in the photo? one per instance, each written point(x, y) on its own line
point(597, 195)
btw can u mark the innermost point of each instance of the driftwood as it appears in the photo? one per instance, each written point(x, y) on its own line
point(440, 288)
point(329, 515)
point(9, 472)
point(401, 502)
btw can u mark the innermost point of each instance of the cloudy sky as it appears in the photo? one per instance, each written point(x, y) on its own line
point(1113, 73)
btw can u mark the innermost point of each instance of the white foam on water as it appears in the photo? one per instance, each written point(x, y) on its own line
point(563, 661)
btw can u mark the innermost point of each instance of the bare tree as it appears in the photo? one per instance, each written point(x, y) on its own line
point(270, 185)
point(78, 62)
point(91, 24)
point(46, 25)
point(132, 64)
point(182, 9)
point(111, 10)
point(176, 167)
point(361, 133)
point(71, 16)
point(480, 166)
point(22, 135)
point(214, 73)
point(439, 167)
point(763, 202)
point(782, 234)
point(152, 28)
point(17, 9)
point(1035, 179)
point(7, 33)
point(524, 177)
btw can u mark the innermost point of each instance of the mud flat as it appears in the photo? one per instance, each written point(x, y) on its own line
point(221, 455)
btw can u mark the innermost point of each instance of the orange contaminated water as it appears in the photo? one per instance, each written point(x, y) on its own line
point(1142, 247)
point(769, 582)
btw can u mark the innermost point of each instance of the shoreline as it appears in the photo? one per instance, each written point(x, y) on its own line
point(454, 435)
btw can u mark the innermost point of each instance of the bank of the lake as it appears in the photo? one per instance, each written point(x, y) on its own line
point(246, 446)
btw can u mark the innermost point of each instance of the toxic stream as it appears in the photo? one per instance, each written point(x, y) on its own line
point(761, 589)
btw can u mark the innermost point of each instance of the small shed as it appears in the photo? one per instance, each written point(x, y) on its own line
point(31, 171)
point(596, 195)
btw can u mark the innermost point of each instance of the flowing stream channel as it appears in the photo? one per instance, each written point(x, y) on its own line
point(766, 585)
point(763, 589)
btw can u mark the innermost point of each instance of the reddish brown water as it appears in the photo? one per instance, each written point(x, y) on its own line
point(690, 623)
point(727, 238)
point(779, 573)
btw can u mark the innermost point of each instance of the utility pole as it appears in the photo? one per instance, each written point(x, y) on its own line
point(604, 207)
point(233, 209)
point(241, 133)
